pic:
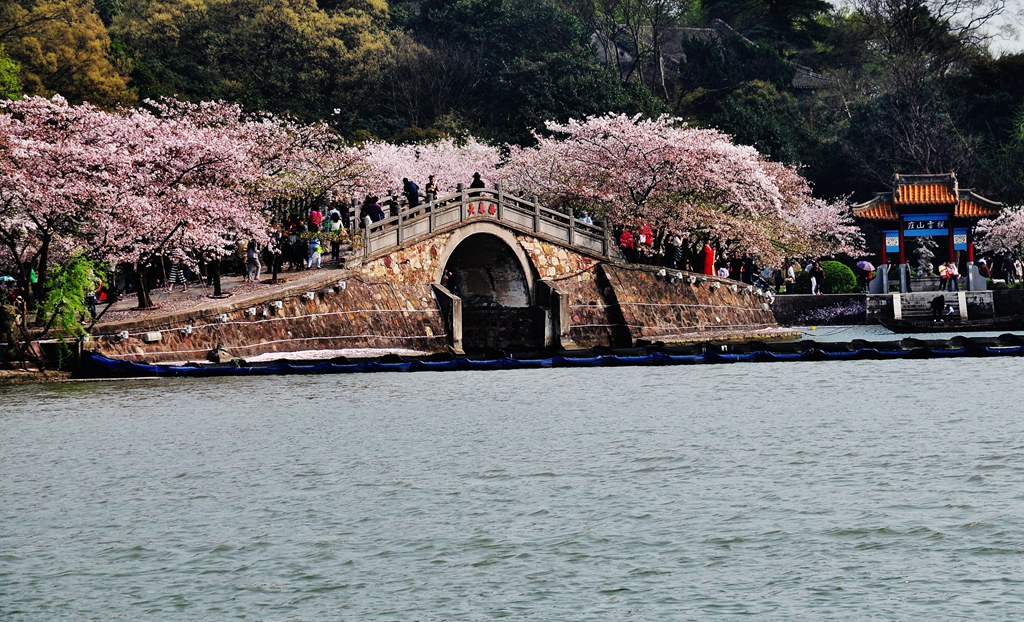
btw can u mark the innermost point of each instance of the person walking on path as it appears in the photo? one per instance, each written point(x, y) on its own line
point(315, 254)
point(315, 218)
point(177, 276)
point(253, 267)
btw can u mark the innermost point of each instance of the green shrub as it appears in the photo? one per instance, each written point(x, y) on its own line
point(839, 279)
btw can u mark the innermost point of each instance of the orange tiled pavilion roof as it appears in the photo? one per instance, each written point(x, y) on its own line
point(924, 191)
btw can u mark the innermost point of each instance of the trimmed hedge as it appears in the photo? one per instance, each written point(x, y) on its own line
point(839, 279)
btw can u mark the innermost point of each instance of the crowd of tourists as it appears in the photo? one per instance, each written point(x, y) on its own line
point(300, 240)
point(673, 250)
point(306, 239)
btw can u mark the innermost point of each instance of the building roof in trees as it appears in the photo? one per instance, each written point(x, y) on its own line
point(914, 193)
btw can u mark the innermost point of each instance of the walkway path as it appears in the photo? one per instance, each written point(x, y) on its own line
point(199, 297)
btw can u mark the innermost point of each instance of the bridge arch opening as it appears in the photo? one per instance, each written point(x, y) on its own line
point(486, 273)
point(493, 276)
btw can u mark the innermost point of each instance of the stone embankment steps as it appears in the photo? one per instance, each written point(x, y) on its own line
point(919, 304)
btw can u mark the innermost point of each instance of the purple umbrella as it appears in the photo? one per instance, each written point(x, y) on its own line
point(866, 266)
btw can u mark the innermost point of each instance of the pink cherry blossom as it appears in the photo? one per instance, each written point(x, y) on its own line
point(451, 162)
point(1003, 233)
point(632, 171)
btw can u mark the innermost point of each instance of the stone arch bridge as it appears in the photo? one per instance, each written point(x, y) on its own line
point(473, 271)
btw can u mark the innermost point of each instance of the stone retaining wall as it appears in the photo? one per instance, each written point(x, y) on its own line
point(353, 313)
point(657, 308)
point(390, 302)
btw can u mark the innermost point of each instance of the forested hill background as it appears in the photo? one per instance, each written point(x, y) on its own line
point(853, 95)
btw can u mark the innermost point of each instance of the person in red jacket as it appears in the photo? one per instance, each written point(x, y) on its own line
point(709, 260)
point(626, 244)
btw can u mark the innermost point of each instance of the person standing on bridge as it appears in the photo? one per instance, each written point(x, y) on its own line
point(431, 189)
point(477, 182)
point(411, 191)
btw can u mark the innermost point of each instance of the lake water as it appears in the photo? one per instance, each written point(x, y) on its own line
point(869, 490)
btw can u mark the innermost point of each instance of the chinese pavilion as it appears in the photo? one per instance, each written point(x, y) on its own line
point(926, 205)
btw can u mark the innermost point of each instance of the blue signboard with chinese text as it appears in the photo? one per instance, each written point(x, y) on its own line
point(892, 238)
point(920, 225)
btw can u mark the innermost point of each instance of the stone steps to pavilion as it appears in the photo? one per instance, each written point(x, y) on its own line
point(919, 304)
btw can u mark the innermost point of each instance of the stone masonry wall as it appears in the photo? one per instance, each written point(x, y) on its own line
point(355, 312)
point(654, 309)
point(415, 264)
point(576, 277)
point(389, 303)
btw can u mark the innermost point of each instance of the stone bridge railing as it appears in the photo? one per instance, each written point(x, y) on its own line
point(480, 204)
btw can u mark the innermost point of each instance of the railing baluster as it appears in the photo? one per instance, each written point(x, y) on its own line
point(536, 214)
point(377, 237)
point(501, 200)
point(462, 201)
point(367, 221)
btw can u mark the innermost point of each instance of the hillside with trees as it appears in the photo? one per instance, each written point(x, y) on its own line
point(850, 95)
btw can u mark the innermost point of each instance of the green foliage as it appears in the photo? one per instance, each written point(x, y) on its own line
point(362, 136)
point(64, 305)
point(418, 135)
point(285, 56)
point(759, 114)
point(803, 283)
point(10, 85)
point(898, 87)
point(993, 97)
point(527, 61)
point(62, 47)
point(779, 24)
point(722, 64)
point(839, 278)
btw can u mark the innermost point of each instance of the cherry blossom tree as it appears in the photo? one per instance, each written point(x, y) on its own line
point(51, 155)
point(296, 159)
point(451, 162)
point(661, 172)
point(1003, 233)
point(122, 184)
point(185, 181)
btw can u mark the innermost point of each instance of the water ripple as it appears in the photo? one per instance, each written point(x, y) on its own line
point(776, 491)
